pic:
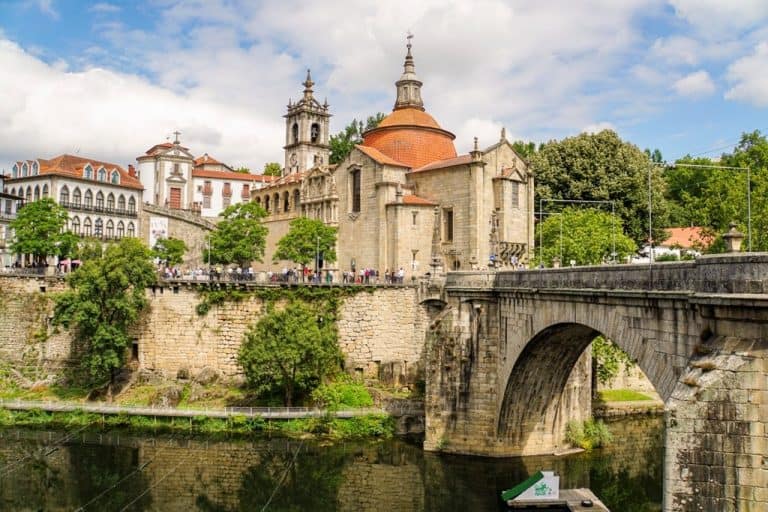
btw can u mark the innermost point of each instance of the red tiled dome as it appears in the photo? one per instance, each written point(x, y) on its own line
point(411, 136)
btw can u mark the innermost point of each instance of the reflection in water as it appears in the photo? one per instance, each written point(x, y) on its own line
point(115, 471)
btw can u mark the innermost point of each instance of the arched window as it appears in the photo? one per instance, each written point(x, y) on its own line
point(121, 203)
point(102, 174)
point(87, 227)
point(24, 169)
point(29, 193)
point(76, 197)
point(64, 196)
point(314, 134)
point(286, 206)
point(132, 206)
point(111, 201)
point(356, 182)
point(45, 190)
point(88, 172)
point(37, 192)
point(296, 200)
point(131, 229)
point(276, 203)
point(99, 200)
point(75, 225)
point(88, 199)
point(115, 177)
point(13, 191)
point(266, 203)
point(35, 169)
point(295, 133)
point(120, 229)
point(98, 228)
point(15, 172)
point(258, 200)
point(110, 229)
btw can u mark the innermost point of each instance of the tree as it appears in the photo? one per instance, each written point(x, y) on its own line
point(585, 235)
point(290, 351)
point(239, 237)
point(272, 169)
point(343, 142)
point(524, 149)
point(305, 240)
point(105, 299)
point(38, 229)
point(602, 167)
point(170, 250)
point(243, 170)
point(610, 357)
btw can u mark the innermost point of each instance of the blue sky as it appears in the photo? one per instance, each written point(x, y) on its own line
point(110, 79)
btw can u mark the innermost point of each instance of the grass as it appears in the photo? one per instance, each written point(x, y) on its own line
point(622, 395)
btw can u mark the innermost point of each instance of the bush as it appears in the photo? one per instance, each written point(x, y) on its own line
point(589, 434)
point(339, 395)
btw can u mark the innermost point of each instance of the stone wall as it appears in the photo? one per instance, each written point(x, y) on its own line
point(381, 330)
point(190, 228)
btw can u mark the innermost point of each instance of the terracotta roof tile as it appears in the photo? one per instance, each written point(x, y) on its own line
point(206, 159)
point(687, 238)
point(231, 175)
point(73, 167)
point(449, 162)
point(157, 148)
point(379, 156)
point(294, 177)
point(418, 201)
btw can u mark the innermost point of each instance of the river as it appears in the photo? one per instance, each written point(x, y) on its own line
point(114, 471)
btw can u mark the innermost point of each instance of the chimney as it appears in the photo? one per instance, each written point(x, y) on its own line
point(131, 171)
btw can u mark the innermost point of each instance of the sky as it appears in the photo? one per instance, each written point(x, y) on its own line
point(108, 80)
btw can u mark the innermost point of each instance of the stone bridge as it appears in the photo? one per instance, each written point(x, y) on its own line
point(508, 352)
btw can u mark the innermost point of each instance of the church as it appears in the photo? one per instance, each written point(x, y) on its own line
point(403, 198)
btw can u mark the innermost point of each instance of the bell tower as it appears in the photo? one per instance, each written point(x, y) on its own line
point(307, 125)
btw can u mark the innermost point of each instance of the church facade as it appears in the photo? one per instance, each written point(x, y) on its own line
point(403, 198)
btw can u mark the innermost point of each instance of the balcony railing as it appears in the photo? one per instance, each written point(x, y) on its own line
point(101, 209)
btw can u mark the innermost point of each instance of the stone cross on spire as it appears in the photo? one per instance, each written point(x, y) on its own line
point(176, 140)
point(308, 83)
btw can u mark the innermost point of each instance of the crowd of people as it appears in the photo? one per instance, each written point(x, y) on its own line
point(286, 275)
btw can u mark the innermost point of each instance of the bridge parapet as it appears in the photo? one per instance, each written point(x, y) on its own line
point(733, 274)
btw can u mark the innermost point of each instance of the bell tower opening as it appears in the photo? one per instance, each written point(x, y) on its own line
point(307, 131)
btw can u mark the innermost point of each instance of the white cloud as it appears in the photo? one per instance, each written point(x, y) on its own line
point(714, 16)
point(695, 85)
point(749, 76)
point(598, 127)
point(104, 8)
point(46, 7)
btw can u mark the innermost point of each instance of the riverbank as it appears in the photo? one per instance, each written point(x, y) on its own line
point(620, 403)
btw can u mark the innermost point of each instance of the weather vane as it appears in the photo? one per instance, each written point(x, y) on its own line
point(408, 38)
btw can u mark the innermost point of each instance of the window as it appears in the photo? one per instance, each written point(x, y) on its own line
point(246, 193)
point(88, 172)
point(35, 169)
point(37, 192)
point(227, 190)
point(447, 225)
point(120, 229)
point(64, 195)
point(207, 188)
point(121, 203)
point(226, 201)
point(8, 206)
point(276, 203)
point(132, 205)
point(29, 194)
point(206, 201)
point(413, 218)
point(314, 134)
point(110, 229)
point(99, 200)
point(176, 169)
point(286, 206)
point(76, 197)
point(102, 174)
point(87, 226)
point(24, 170)
point(295, 133)
point(111, 201)
point(296, 200)
point(75, 225)
point(15, 172)
point(115, 177)
point(45, 190)
point(515, 196)
point(266, 203)
point(88, 200)
point(356, 190)
point(131, 229)
point(98, 228)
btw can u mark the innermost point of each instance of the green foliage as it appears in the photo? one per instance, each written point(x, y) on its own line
point(291, 350)
point(243, 170)
point(585, 235)
point(602, 167)
point(38, 229)
point(272, 169)
point(89, 249)
point(240, 237)
point(340, 395)
point(589, 434)
point(609, 359)
point(170, 250)
point(343, 142)
point(104, 302)
point(524, 149)
point(304, 240)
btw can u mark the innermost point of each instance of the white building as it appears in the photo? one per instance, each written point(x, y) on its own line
point(102, 198)
point(173, 178)
point(9, 205)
